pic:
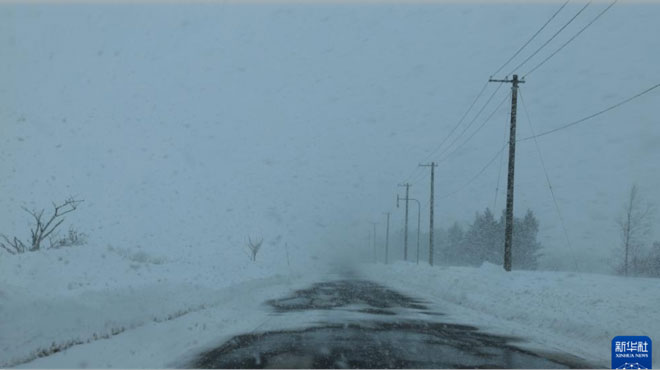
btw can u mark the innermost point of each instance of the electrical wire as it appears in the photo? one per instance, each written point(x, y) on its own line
point(547, 178)
point(531, 38)
point(472, 121)
point(460, 121)
point(476, 131)
point(571, 124)
point(420, 176)
point(571, 39)
point(499, 171)
point(551, 38)
point(438, 147)
point(475, 176)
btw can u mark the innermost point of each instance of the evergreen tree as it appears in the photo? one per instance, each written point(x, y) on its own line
point(481, 241)
point(455, 247)
point(526, 249)
point(649, 264)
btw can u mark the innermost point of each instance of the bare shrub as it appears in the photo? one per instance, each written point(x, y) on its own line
point(44, 229)
point(254, 248)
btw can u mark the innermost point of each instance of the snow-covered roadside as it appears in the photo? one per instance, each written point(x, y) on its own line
point(576, 313)
point(173, 343)
point(64, 299)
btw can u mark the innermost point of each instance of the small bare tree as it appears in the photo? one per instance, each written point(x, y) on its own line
point(634, 225)
point(43, 228)
point(254, 248)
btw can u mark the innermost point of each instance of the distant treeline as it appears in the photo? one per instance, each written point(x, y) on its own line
point(483, 241)
point(480, 241)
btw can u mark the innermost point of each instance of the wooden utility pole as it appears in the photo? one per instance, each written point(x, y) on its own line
point(375, 253)
point(387, 239)
point(508, 229)
point(419, 208)
point(405, 228)
point(419, 217)
point(431, 206)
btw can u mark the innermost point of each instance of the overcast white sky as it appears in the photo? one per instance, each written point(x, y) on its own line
point(198, 125)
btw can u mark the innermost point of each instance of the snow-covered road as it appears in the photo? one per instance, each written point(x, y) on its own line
point(361, 324)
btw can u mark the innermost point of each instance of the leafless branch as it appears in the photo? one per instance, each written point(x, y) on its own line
point(16, 244)
point(43, 229)
point(254, 247)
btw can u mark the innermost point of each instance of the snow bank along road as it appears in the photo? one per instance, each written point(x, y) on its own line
point(353, 323)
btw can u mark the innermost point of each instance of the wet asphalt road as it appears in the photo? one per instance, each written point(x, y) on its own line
point(366, 325)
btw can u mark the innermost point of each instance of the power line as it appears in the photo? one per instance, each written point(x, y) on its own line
point(547, 178)
point(460, 121)
point(571, 39)
point(592, 115)
point(497, 185)
point(477, 130)
point(531, 38)
point(475, 176)
point(419, 177)
point(551, 38)
point(414, 175)
point(434, 150)
point(534, 136)
point(472, 121)
point(499, 171)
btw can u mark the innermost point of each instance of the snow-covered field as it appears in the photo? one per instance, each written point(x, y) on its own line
point(577, 313)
